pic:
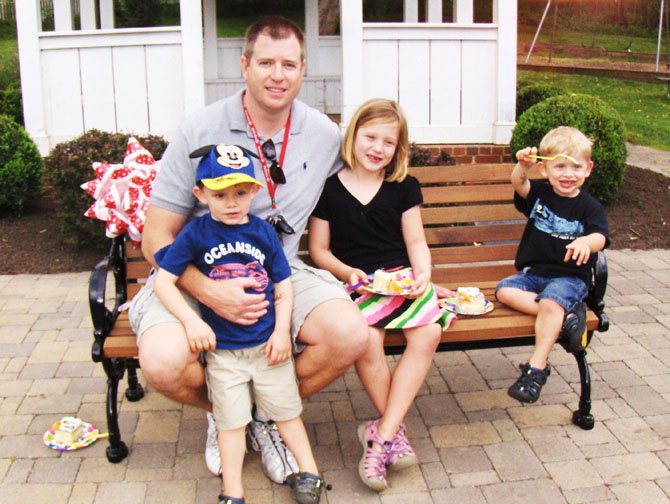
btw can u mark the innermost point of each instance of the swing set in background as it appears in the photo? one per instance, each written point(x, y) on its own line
point(663, 19)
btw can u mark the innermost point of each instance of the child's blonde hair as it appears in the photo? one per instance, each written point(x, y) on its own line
point(380, 110)
point(566, 140)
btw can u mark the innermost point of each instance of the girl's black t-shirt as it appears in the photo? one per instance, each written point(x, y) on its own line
point(368, 237)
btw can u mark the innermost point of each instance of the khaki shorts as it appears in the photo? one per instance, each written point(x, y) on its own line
point(311, 287)
point(238, 378)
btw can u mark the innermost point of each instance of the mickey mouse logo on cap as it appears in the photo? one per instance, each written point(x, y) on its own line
point(223, 166)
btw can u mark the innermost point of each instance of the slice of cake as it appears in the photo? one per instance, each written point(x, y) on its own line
point(381, 280)
point(69, 430)
point(470, 300)
point(394, 282)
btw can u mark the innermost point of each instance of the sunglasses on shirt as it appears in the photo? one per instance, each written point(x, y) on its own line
point(270, 153)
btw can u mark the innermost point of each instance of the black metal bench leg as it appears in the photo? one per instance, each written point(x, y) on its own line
point(117, 449)
point(583, 417)
point(135, 391)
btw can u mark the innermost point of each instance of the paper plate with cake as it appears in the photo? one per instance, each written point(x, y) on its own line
point(391, 283)
point(468, 301)
point(71, 433)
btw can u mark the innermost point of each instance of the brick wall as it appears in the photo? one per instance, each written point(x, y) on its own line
point(473, 153)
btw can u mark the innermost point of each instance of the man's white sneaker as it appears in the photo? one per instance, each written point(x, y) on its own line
point(212, 455)
point(278, 461)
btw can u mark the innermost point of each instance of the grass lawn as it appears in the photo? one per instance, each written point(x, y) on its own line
point(644, 107)
point(639, 42)
point(9, 63)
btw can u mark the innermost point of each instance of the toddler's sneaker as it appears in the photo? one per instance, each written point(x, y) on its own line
point(573, 332)
point(372, 467)
point(212, 455)
point(224, 499)
point(400, 454)
point(527, 388)
point(306, 487)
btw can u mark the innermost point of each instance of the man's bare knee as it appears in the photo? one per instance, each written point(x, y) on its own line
point(165, 356)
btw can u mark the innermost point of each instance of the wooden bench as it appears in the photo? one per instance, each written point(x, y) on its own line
point(473, 230)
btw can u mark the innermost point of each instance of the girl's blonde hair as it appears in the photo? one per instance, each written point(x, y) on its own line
point(380, 110)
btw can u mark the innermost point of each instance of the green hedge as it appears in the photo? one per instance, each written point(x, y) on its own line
point(528, 93)
point(594, 118)
point(69, 165)
point(20, 169)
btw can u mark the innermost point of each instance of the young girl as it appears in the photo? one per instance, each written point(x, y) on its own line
point(368, 218)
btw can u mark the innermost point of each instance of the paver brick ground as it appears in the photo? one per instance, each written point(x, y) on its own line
point(474, 443)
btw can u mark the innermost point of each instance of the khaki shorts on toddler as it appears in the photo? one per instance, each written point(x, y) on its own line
point(238, 378)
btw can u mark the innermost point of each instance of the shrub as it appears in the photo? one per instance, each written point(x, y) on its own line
point(69, 165)
point(11, 103)
point(528, 93)
point(595, 119)
point(20, 168)
point(421, 156)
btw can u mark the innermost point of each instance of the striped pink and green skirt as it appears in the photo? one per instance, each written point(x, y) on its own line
point(399, 312)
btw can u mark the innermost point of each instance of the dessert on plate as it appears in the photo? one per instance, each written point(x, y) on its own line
point(392, 282)
point(69, 430)
point(470, 300)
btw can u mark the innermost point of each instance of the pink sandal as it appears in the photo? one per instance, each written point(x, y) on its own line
point(372, 467)
point(400, 454)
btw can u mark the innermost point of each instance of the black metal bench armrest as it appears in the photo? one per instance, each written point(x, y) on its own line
point(103, 318)
point(596, 296)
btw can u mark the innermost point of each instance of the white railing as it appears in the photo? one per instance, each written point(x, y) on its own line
point(126, 80)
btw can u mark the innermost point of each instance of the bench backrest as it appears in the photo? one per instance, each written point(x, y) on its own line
point(470, 221)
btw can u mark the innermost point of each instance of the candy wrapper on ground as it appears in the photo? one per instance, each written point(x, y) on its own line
point(122, 192)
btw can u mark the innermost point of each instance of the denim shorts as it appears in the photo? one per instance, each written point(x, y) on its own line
point(566, 291)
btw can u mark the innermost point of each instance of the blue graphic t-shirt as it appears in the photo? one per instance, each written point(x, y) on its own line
point(223, 252)
point(553, 222)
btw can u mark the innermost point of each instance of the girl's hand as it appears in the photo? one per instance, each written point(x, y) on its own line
point(525, 157)
point(278, 348)
point(443, 292)
point(579, 251)
point(419, 285)
point(357, 277)
point(199, 335)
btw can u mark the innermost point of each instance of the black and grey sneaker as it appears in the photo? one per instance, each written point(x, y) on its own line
point(224, 499)
point(527, 388)
point(306, 487)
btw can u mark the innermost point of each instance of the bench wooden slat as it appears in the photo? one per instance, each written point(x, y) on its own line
point(467, 193)
point(469, 213)
point(469, 234)
point(466, 173)
point(471, 275)
point(450, 255)
point(137, 270)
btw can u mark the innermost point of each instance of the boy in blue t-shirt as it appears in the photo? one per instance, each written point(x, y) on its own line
point(243, 361)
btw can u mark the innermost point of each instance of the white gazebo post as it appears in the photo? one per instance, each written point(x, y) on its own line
point(504, 14)
point(62, 15)
point(463, 11)
point(411, 11)
point(106, 14)
point(28, 25)
point(192, 55)
point(434, 11)
point(211, 57)
point(87, 14)
point(312, 36)
point(351, 28)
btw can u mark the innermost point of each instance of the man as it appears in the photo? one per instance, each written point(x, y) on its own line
point(303, 145)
